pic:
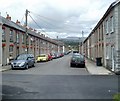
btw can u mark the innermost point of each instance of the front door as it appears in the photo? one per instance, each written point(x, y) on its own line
point(4, 62)
point(113, 59)
point(17, 52)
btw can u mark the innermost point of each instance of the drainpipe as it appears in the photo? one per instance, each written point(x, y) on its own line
point(0, 40)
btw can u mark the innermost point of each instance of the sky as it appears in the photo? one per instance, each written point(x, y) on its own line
point(62, 18)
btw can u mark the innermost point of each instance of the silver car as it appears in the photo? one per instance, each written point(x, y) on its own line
point(23, 61)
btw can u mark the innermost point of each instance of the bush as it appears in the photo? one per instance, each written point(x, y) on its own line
point(116, 97)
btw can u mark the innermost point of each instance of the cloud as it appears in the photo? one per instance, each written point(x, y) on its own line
point(58, 17)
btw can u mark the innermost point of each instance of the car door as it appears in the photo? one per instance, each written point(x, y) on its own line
point(29, 61)
point(32, 60)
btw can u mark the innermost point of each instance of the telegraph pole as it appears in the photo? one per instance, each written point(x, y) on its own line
point(26, 31)
point(0, 40)
point(82, 42)
point(58, 45)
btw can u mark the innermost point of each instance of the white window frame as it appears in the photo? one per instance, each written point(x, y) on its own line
point(3, 35)
point(11, 49)
point(112, 24)
point(11, 35)
point(17, 37)
point(107, 53)
point(22, 38)
point(107, 27)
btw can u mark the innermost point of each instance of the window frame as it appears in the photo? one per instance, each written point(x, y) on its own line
point(3, 35)
point(11, 35)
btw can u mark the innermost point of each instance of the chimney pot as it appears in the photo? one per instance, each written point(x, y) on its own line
point(18, 22)
point(8, 17)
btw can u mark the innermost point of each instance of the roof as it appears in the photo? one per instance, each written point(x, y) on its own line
point(21, 28)
point(104, 16)
point(11, 24)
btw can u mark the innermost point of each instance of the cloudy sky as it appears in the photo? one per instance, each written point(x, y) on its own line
point(62, 18)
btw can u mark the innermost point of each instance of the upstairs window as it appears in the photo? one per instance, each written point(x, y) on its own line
point(11, 49)
point(111, 25)
point(31, 40)
point(22, 38)
point(107, 28)
point(11, 35)
point(17, 37)
point(3, 34)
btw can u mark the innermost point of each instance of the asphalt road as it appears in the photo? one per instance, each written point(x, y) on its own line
point(56, 80)
point(60, 66)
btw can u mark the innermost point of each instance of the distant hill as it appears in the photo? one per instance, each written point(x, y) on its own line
point(76, 39)
point(72, 41)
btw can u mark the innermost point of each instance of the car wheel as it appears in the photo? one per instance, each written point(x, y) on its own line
point(84, 66)
point(71, 65)
point(27, 66)
point(12, 68)
point(33, 65)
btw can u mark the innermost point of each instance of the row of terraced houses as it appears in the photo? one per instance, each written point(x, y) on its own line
point(104, 40)
point(14, 41)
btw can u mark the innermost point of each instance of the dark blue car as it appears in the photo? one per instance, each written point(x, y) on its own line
point(23, 61)
point(77, 60)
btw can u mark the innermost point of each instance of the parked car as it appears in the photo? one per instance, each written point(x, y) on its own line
point(57, 55)
point(49, 57)
point(42, 58)
point(76, 54)
point(61, 54)
point(75, 51)
point(53, 55)
point(77, 60)
point(23, 61)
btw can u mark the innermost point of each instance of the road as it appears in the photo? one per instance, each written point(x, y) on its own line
point(56, 80)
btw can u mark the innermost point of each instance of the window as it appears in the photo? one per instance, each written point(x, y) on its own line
point(22, 38)
point(11, 49)
point(99, 34)
point(3, 35)
point(111, 24)
point(102, 32)
point(31, 40)
point(11, 35)
point(37, 42)
point(17, 37)
point(27, 40)
point(107, 52)
point(107, 31)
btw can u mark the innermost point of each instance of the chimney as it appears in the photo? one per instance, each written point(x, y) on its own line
point(18, 22)
point(39, 33)
point(35, 30)
point(30, 28)
point(8, 17)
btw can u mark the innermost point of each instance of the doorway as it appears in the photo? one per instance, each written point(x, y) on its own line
point(113, 59)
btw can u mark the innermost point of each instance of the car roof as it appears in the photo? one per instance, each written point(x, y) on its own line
point(31, 55)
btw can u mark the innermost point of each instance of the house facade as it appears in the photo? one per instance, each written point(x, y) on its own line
point(14, 41)
point(104, 40)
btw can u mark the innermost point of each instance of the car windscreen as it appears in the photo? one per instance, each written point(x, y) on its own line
point(42, 55)
point(22, 57)
point(77, 57)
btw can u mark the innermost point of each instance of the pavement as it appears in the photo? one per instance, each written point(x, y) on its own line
point(96, 70)
point(90, 66)
point(5, 68)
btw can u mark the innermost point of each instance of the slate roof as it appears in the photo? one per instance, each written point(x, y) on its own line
point(11, 24)
point(21, 28)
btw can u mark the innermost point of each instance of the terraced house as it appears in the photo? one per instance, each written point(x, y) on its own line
point(14, 41)
point(104, 40)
